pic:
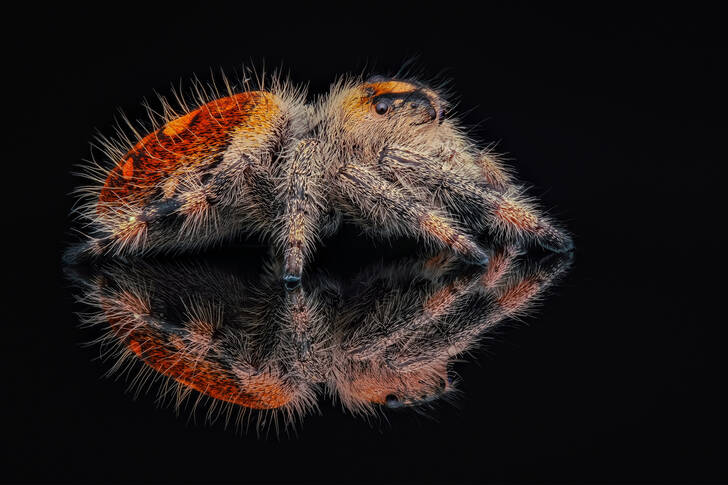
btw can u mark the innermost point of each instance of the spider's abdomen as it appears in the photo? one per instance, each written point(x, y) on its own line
point(188, 144)
point(194, 366)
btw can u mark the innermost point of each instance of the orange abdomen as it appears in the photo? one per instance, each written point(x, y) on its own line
point(187, 143)
point(170, 355)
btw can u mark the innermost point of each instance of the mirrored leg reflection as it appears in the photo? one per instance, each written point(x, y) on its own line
point(241, 340)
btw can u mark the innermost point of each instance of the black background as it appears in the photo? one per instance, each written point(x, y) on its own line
point(610, 113)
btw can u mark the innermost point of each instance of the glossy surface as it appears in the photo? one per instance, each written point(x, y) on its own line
point(388, 334)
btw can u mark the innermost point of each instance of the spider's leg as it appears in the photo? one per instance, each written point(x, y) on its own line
point(299, 315)
point(383, 326)
point(502, 264)
point(292, 324)
point(198, 207)
point(304, 204)
point(388, 316)
point(495, 173)
point(460, 331)
point(508, 213)
point(517, 218)
point(445, 298)
point(374, 201)
point(241, 190)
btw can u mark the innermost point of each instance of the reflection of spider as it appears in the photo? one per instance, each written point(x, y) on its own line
point(385, 339)
point(380, 152)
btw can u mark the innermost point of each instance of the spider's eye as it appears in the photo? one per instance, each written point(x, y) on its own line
point(392, 401)
point(381, 107)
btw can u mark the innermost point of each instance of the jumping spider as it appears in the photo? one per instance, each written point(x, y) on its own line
point(379, 152)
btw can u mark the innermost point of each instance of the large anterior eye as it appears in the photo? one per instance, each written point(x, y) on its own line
point(392, 401)
point(381, 107)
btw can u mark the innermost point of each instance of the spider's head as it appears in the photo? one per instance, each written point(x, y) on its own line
point(384, 108)
point(388, 100)
point(422, 393)
point(384, 386)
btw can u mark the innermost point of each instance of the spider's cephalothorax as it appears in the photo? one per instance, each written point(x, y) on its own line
point(379, 153)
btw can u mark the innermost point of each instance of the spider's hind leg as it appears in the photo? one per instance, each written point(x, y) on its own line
point(191, 209)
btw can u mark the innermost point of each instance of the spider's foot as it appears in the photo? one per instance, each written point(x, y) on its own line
point(81, 252)
point(293, 267)
point(553, 265)
point(478, 257)
point(557, 242)
point(291, 281)
point(75, 254)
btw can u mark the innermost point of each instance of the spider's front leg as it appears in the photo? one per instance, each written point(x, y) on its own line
point(379, 204)
point(304, 205)
point(479, 204)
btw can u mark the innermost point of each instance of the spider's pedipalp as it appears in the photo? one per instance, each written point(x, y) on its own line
point(391, 211)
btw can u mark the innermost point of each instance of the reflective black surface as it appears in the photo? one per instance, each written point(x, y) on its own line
point(610, 113)
point(386, 336)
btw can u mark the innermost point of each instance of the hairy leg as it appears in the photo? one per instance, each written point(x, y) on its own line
point(494, 172)
point(414, 316)
point(394, 211)
point(460, 331)
point(404, 301)
point(191, 210)
point(292, 324)
point(415, 311)
point(506, 212)
point(304, 205)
